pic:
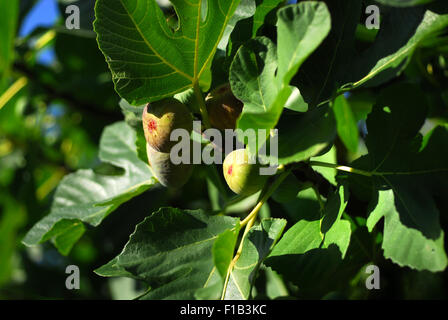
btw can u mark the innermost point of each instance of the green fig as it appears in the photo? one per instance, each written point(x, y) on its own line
point(241, 176)
point(169, 174)
point(161, 118)
point(223, 108)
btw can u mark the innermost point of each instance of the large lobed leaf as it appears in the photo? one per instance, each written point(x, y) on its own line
point(261, 72)
point(414, 171)
point(149, 60)
point(171, 251)
point(338, 64)
point(406, 245)
point(402, 32)
point(311, 250)
point(88, 197)
point(322, 73)
point(246, 29)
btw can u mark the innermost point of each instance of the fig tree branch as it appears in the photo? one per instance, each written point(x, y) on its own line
point(18, 85)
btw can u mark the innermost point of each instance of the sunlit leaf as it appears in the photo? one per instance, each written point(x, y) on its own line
point(88, 197)
point(149, 60)
point(171, 251)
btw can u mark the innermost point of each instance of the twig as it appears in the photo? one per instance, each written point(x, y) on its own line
point(18, 85)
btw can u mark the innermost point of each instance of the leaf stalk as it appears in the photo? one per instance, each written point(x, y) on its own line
point(202, 106)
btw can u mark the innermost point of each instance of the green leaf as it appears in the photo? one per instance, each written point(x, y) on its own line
point(302, 136)
point(309, 253)
point(171, 251)
point(308, 260)
point(300, 30)
point(361, 103)
point(396, 119)
point(305, 206)
point(346, 123)
point(112, 269)
point(334, 208)
point(323, 72)
point(132, 114)
point(416, 173)
point(213, 194)
point(246, 29)
point(251, 78)
point(256, 247)
point(245, 9)
point(254, 77)
point(275, 287)
point(65, 233)
point(395, 44)
point(403, 244)
point(327, 173)
point(222, 250)
point(148, 60)
point(9, 13)
point(264, 7)
point(339, 65)
point(295, 101)
point(87, 196)
point(288, 190)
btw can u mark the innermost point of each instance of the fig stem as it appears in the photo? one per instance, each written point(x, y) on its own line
point(340, 168)
point(266, 196)
point(202, 107)
point(250, 220)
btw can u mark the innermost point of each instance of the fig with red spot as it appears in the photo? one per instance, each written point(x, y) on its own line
point(161, 118)
point(242, 176)
point(223, 107)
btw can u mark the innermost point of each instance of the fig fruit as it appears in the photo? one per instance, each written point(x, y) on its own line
point(241, 176)
point(169, 174)
point(161, 118)
point(223, 107)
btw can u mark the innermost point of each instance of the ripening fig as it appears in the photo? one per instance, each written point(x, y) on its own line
point(161, 118)
point(241, 176)
point(169, 174)
point(223, 107)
